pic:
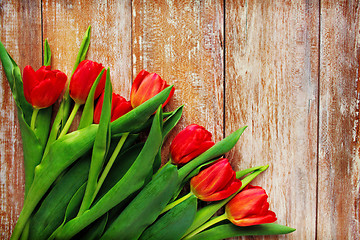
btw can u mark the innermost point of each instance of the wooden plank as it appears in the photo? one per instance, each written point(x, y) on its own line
point(272, 87)
point(65, 22)
point(21, 35)
point(182, 42)
point(339, 164)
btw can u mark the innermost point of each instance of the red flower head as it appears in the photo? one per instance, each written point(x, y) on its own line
point(43, 87)
point(146, 85)
point(83, 79)
point(250, 207)
point(190, 143)
point(119, 107)
point(216, 182)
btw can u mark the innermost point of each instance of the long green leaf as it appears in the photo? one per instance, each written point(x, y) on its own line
point(146, 206)
point(228, 230)
point(47, 53)
point(134, 179)
point(51, 212)
point(101, 146)
point(88, 111)
point(174, 223)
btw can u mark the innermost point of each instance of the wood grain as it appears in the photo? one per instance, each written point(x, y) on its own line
point(287, 69)
point(272, 87)
point(339, 164)
point(182, 42)
point(64, 24)
point(20, 21)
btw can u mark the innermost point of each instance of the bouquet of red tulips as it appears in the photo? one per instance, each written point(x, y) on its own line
point(102, 181)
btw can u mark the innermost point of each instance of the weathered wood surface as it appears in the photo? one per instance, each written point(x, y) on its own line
point(287, 69)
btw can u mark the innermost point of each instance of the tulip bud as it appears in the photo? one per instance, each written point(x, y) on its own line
point(145, 86)
point(43, 87)
point(190, 143)
point(83, 79)
point(250, 207)
point(119, 107)
point(216, 182)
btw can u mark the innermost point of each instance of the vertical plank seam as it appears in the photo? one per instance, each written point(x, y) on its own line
point(42, 31)
point(224, 68)
point(318, 127)
point(131, 42)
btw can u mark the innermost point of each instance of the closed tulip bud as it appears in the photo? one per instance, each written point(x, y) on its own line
point(83, 79)
point(119, 107)
point(145, 86)
point(250, 207)
point(43, 87)
point(190, 143)
point(216, 182)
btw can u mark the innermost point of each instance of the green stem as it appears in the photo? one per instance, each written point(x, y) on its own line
point(33, 118)
point(110, 163)
point(70, 120)
point(175, 203)
point(206, 225)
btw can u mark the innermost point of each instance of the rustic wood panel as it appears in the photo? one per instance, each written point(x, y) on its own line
point(65, 22)
point(287, 69)
point(272, 87)
point(20, 21)
point(339, 165)
point(182, 42)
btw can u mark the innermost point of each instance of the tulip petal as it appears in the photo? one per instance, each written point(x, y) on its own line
point(30, 80)
point(255, 220)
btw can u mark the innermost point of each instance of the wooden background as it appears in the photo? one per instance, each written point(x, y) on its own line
point(287, 69)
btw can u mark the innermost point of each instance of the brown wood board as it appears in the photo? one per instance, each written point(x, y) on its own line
point(289, 70)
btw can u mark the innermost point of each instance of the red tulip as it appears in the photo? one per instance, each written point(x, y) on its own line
point(119, 107)
point(83, 79)
point(216, 182)
point(145, 86)
point(43, 87)
point(190, 143)
point(250, 207)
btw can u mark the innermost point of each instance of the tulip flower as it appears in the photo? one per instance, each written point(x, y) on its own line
point(83, 79)
point(216, 182)
point(190, 143)
point(145, 86)
point(43, 87)
point(250, 207)
point(119, 107)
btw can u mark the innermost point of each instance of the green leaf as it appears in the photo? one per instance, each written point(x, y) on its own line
point(88, 111)
point(95, 230)
point(122, 164)
point(83, 48)
point(47, 54)
point(134, 179)
point(228, 230)
point(101, 146)
point(171, 121)
point(174, 223)
point(33, 141)
point(19, 96)
point(146, 206)
point(51, 212)
point(71, 209)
